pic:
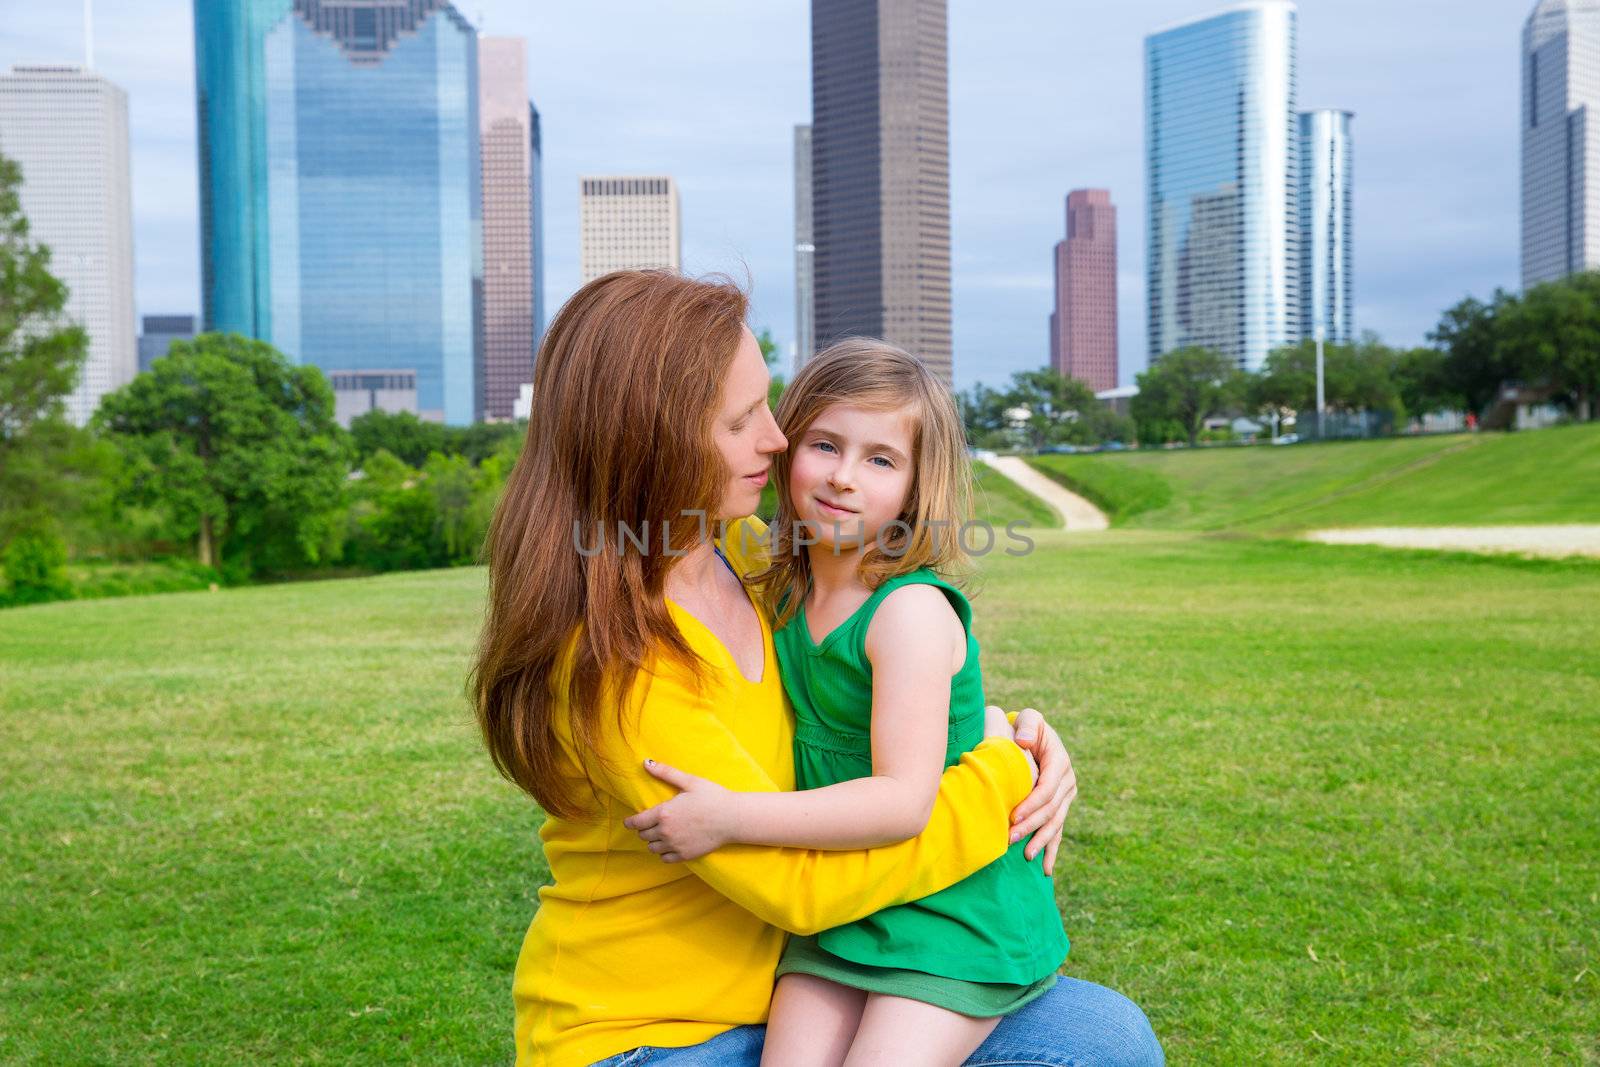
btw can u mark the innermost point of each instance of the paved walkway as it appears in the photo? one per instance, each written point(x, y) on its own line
point(1573, 540)
point(1076, 512)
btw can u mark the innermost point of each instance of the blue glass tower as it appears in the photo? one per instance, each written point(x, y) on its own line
point(1222, 160)
point(1327, 307)
point(340, 192)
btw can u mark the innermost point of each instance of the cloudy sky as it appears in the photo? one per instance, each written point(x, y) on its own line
point(1046, 96)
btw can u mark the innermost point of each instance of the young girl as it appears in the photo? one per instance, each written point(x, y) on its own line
point(877, 655)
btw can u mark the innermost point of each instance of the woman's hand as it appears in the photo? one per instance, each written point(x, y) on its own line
point(1044, 811)
point(700, 819)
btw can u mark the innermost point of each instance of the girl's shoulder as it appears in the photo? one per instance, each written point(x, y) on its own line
point(924, 576)
point(919, 607)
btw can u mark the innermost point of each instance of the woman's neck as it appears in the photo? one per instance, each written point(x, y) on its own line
point(695, 575)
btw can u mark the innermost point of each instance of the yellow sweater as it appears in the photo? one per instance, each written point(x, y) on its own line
point(627, 950)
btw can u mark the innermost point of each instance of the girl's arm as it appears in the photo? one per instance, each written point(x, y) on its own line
point(803, 890)
point(915, 643)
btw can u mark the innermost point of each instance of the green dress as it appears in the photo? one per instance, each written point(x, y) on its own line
point(986, 945)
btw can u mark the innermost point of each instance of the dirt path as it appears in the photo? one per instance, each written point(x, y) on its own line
point(1532, 540)
point(1076, 512)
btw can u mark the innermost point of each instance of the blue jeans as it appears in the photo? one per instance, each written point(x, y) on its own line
point(1076, 1024)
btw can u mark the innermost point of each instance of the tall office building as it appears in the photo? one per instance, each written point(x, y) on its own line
point(508, 129)
point(805, 251)
point(67, 128)
point(1327, 297)
point(627, 223)
point(881, 173)
point(341, 190)
point(159, 333)
point(1083, 327)
point(1222, 173)
point(1560, 147)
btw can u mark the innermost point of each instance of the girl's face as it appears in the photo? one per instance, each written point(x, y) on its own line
point(851, 473)
point(746, 434)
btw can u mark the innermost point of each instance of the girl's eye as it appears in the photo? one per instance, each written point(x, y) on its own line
point(885, 460)
point(824, 445)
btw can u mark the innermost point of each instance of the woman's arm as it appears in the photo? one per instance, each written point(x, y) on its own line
point(807, 890)
point(915, 643)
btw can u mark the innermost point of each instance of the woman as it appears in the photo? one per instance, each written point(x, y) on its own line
point(618, 634)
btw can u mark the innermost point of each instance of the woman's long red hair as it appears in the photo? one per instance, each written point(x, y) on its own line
point(625, 389)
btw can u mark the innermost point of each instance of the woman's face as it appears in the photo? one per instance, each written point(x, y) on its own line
point(744, 430)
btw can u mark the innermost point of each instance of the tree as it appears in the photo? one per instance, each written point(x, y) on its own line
point(238, 446)
point(1358, 377)
point(769, 356)
point(983, 415)
point(1474, 365)
point(1552, 334)
point(44, 461)
point(399, 433)
point(1422, 381)
point(1061, 410)
point(1186, 386)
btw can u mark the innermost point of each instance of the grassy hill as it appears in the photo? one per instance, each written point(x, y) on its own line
point(1336, 806)
point(1549, 476)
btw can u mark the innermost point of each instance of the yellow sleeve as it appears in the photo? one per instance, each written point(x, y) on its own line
point(808, 890)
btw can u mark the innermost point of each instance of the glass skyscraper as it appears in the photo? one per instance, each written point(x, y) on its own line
point(340, 189)
point(1560, 147)
point(1326, 271)
point(1222, 163)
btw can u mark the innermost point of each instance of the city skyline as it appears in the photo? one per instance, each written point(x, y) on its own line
point(1438, 204)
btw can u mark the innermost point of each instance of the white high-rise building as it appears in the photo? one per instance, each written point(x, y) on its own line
point(1560, 143)
point(67, 127)
point(805, 253)
point(628, 222)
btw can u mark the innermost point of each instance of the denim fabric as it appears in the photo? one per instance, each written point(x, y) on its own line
point(1076, 1024)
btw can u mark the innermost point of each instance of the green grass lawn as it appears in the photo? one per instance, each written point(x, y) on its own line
point(1548, 476)
point(1337, 806)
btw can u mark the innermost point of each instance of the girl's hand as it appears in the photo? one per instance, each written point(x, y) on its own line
point(1044, 811)
point(995, 724)
point(700, 819)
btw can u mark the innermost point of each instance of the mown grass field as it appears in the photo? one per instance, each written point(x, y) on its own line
point(1548, 476)
point(1337, 807)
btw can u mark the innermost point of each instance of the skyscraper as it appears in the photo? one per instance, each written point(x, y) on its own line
point(1327, 307)
point(159, 333)
point(1222, 166)
point(805, 251)
point(1560, 147)
point(67, 128)
point(341, 190)
point(1083, 327)
point(625, 223)
point(881, 173)
point(508, 129)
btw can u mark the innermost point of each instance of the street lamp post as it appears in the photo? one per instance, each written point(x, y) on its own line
point(1321, 399)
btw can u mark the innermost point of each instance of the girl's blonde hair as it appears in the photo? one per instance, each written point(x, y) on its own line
point(868, 373)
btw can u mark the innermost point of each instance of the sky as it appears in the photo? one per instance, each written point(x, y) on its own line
point(1045, 96)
